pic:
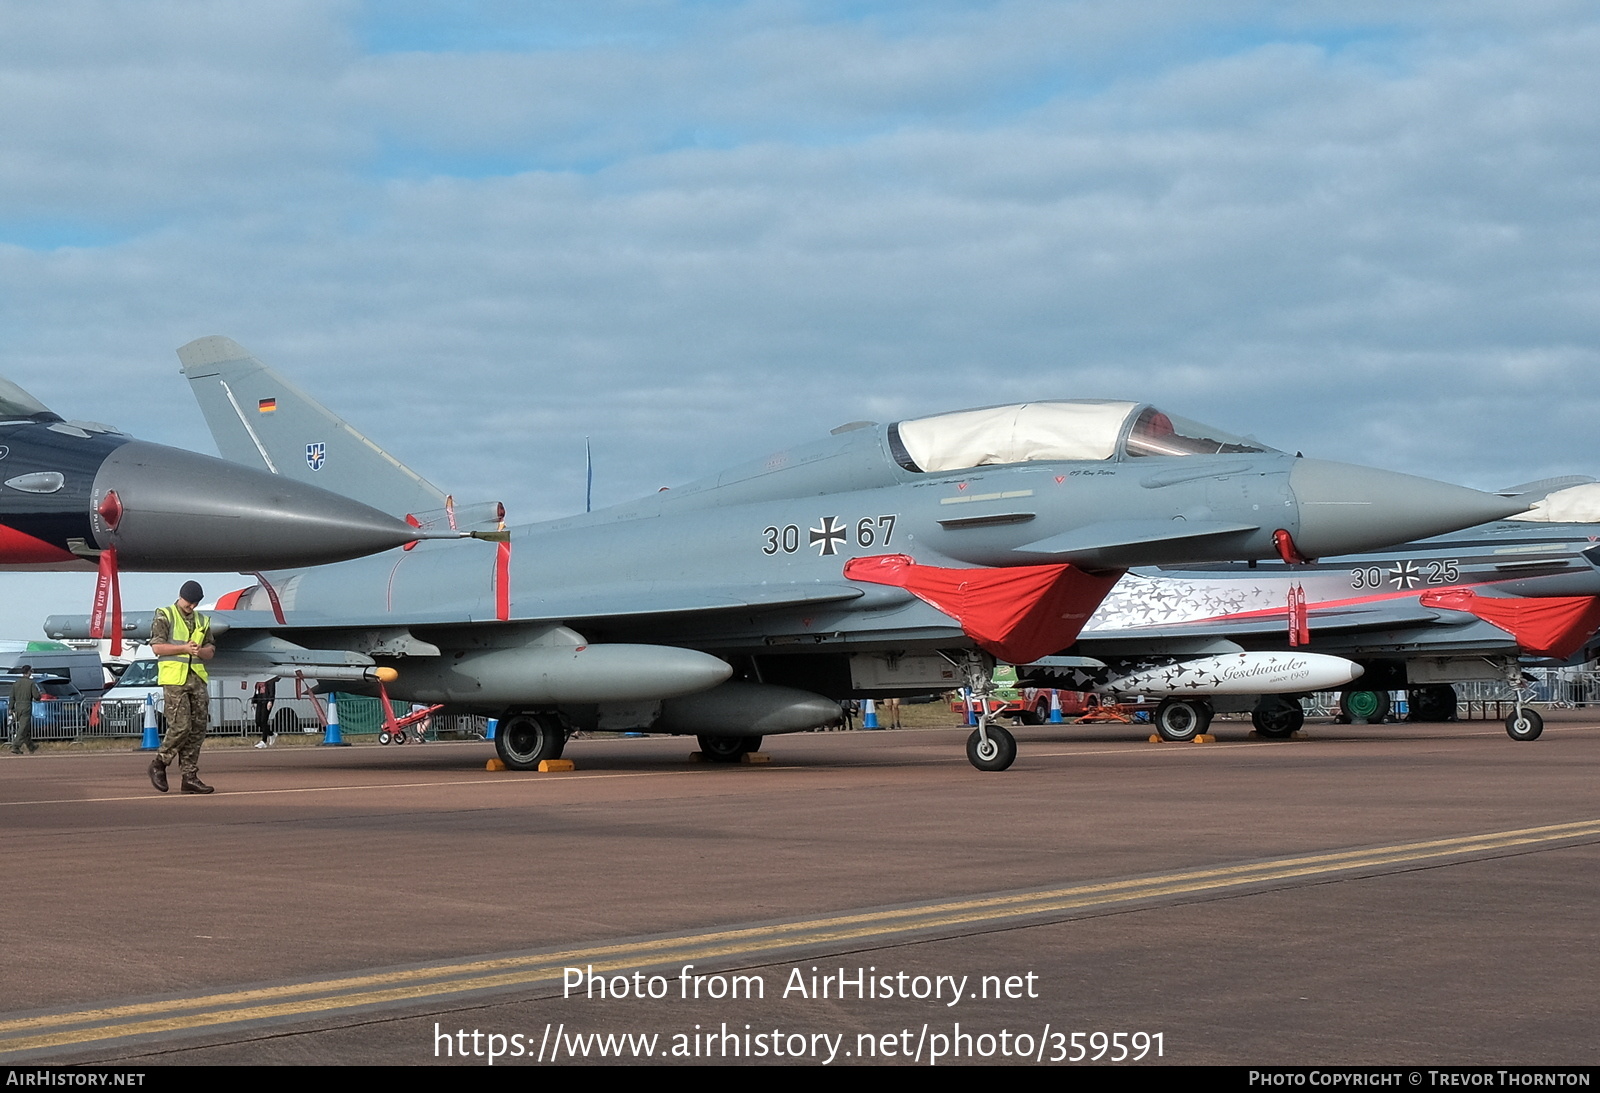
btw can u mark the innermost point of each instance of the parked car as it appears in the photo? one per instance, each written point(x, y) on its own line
point(59, 702)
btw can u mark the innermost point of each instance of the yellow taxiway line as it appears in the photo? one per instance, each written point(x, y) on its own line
point(438, 982)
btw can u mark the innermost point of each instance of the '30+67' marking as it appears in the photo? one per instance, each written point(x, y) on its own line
point(829, 534)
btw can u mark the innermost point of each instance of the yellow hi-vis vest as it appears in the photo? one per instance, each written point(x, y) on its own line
point(174, 671)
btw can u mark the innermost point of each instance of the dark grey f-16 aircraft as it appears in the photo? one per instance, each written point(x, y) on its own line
point(881, 560)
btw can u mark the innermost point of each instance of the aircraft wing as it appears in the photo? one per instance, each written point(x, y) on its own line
point(1348, 618)
point(629, 600)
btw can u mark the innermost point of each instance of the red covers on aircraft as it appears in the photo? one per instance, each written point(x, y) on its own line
point(1547, 626)
point(1019, 613)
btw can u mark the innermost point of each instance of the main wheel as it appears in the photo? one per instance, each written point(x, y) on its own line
point(1180, 719)
point(1279, 719)
point(1526, 725)
point(285, 722)
point(1435, 702)
point(525, 740)
point(997, 753)
point(1369, 706)
point(728, 749)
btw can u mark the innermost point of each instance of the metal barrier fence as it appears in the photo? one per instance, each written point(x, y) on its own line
point(93, 718)
point(1561, 688)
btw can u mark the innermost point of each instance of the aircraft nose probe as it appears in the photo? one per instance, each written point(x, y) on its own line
point(1345, 509)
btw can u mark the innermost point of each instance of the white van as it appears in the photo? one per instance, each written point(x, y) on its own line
point(81, 666)
point(122, 707)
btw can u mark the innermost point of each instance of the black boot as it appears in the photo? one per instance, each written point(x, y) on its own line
point(158, 774)
point(193, 784)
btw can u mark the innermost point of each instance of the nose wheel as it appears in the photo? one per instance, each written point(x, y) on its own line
point(1523, 724)
point(991, 748)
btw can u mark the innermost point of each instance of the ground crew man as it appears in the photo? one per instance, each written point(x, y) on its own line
point(23, 693)
point(181, 640)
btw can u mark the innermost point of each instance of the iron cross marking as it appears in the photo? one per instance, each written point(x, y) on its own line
point(828, 536)
point(1404, 575)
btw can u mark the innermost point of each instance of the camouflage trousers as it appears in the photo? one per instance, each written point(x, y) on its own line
point(188, 710)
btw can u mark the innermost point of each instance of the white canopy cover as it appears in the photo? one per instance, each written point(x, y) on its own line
point(1573, 505)
point(1016, 434)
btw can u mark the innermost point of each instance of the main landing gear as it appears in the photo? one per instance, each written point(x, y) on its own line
point(524, 740)
point(1370, 707)
point(728, 749)
point(1182, 719)
point(1277, 717)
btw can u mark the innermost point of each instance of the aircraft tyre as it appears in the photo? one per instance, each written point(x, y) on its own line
point(998, 754)
point(525, 740)
point(1526, 725)
point(1181, 719)
point(1435, 702)
point(1277, 719)
point(1369, 706)
point(727, 749)
point(285, 722)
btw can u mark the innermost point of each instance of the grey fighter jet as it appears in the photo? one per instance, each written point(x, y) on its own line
point(1479, 604)
point(883, 559)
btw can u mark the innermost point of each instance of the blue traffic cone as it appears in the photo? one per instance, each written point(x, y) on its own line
point(152, 733)
point(869, 720)
point(490, 728)
point(1055, 707)
point(332, 737)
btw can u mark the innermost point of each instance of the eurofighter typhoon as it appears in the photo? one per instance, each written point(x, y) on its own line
point(884, 559)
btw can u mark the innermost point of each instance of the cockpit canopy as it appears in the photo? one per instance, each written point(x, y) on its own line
point(1065, 430)
point(16, 404)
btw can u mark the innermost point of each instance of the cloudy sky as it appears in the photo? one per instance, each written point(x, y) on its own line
point(697, 232)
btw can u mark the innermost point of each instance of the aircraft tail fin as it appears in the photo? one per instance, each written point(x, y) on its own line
point(261, 420)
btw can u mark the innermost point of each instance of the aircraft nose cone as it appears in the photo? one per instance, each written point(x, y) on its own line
point(1345, 509)
point(176, 510)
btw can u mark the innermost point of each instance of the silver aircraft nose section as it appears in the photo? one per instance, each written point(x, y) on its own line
point(1345, 509)
point(165, 508)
